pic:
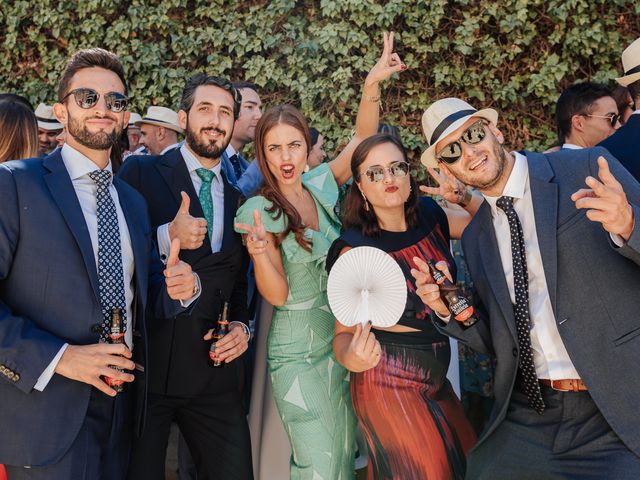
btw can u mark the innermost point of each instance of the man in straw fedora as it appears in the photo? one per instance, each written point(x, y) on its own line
point(553, 252)
point(48, 129)
point(159, 130)
point(625, 143)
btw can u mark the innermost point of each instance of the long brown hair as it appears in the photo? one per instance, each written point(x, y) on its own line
point(281, 115)
point(18, 131)
point(364, 219)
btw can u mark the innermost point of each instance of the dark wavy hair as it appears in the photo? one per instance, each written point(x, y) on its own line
point(356, 216)
point(281, 115)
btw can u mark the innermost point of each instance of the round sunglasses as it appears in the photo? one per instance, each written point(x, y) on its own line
point(87, 98)
point(375, 173)
point(473, 135)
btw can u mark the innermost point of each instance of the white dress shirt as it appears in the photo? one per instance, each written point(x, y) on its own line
point(571, 146)
point(217, 195)
point(79, 168)
point(549, 353)
point(170, 147)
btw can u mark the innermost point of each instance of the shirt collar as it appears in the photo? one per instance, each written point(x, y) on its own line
point(636, 112)
point(571, 146)
point(230, 151)
point(193, 163)
point(518, 180)
point(170, 147)
point(77, 164)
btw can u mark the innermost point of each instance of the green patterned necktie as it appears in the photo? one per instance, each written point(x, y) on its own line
point(204, 195)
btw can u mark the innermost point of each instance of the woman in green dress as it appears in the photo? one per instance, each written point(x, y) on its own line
point(288, 229)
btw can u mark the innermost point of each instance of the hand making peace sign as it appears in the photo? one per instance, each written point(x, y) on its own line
point(388, 64)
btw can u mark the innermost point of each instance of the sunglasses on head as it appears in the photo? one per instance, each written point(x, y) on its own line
point(473, 135)
point(375, 173)
point(613, 118)
point(87, 98)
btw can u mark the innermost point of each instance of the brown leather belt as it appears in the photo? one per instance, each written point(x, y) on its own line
point(565, 385)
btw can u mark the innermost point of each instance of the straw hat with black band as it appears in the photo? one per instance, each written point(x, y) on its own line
point(446, 116)
point(631, 64)
point(162, 117)
point(46, 119)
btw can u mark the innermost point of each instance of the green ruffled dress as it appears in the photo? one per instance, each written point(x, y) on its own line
point(310, 387)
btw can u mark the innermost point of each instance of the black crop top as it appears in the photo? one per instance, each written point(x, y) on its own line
point(428, 240)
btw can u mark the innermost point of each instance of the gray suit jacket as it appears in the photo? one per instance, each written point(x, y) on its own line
point(594, 289)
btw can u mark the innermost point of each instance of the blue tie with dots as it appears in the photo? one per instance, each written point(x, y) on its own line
point(526, 366)
point(110, 271)
point(206, 201)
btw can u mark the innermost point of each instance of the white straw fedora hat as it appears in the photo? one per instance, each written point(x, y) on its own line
point(46, 119)
point(162, 117)
point(134, 119)
point(445, 116)
point(631, 64)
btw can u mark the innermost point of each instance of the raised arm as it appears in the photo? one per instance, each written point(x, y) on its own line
point(369, 110)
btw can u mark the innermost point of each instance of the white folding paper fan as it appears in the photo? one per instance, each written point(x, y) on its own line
point(365, 284)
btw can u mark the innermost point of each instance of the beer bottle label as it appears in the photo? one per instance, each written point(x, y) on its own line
point(460, 308)
point(112, 382)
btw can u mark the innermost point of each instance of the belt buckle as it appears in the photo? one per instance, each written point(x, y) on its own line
point(558, 389)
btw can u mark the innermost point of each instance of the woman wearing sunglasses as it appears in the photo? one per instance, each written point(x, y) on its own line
point(288, 229)
point(413, 421)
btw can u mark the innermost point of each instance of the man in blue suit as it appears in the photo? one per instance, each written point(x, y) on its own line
point(625, 143)
point(74, 244)
point(556, 266)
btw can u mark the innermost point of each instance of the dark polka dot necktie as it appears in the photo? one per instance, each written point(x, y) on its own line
point(526, 366)
point(110, 271)
point(237, 168)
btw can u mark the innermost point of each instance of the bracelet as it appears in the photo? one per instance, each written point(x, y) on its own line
point(466, 199)
point(245, 327)
point(370, 98)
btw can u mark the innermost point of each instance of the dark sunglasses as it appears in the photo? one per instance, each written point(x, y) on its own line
point(375, 173)
point(473, 135)
point(87, 98)
point(613, 118)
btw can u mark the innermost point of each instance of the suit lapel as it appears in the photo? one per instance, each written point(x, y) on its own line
point(490, 255)
point(63, 193)
point(231, 198)
point(544, 195)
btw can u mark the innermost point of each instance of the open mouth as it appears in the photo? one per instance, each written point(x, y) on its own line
point(212, 134)
point(287, 171)
point(391, 189)
point(478, 163)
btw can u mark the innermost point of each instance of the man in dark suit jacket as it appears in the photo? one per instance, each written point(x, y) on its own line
point(73, 245)
point(555, 265)
point(625, 143)
point(190, 199)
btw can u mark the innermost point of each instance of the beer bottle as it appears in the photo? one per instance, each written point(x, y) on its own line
point(116, 336)
point(459, 305)
point(221, 329)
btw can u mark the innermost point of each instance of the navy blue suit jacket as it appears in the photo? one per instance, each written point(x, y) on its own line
point(624, 144)
point(593, 287)
point(49, 296)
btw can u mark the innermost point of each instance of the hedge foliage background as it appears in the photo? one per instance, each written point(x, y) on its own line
point(513, 55)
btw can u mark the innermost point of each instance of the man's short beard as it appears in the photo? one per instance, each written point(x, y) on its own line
point(501, 155)
point(204, 149)
point(96, 141)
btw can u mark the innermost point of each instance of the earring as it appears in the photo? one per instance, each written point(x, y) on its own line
point(306, 168)
point(366, 203)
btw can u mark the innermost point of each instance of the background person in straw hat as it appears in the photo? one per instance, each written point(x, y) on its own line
point(625, 143)
point(48, 129)
point(159, 130)
point(555, 264)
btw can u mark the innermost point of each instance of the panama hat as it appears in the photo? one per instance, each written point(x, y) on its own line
point(134, 119)
point(631, 64)
point(46, 119)
point(162, 117)
point(446, 116)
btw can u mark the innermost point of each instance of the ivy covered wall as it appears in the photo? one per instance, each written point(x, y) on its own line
point(513, 55)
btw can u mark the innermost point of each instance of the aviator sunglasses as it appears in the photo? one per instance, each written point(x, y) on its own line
point(375, 173)
point(87, 98)
point(473, 135)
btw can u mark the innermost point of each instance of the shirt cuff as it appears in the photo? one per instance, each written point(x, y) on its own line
point(617, 240)
point(164, 242)
point(446, 319)
point(187, 303)
point(46, 376)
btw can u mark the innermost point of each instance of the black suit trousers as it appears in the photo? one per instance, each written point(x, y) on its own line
point(214, 426)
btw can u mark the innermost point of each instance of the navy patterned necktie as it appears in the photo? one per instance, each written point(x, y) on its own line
point(235, 162)
point(110, 270)
point(526, 366)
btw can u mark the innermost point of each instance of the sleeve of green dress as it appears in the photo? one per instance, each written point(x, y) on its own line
point(245, 215)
